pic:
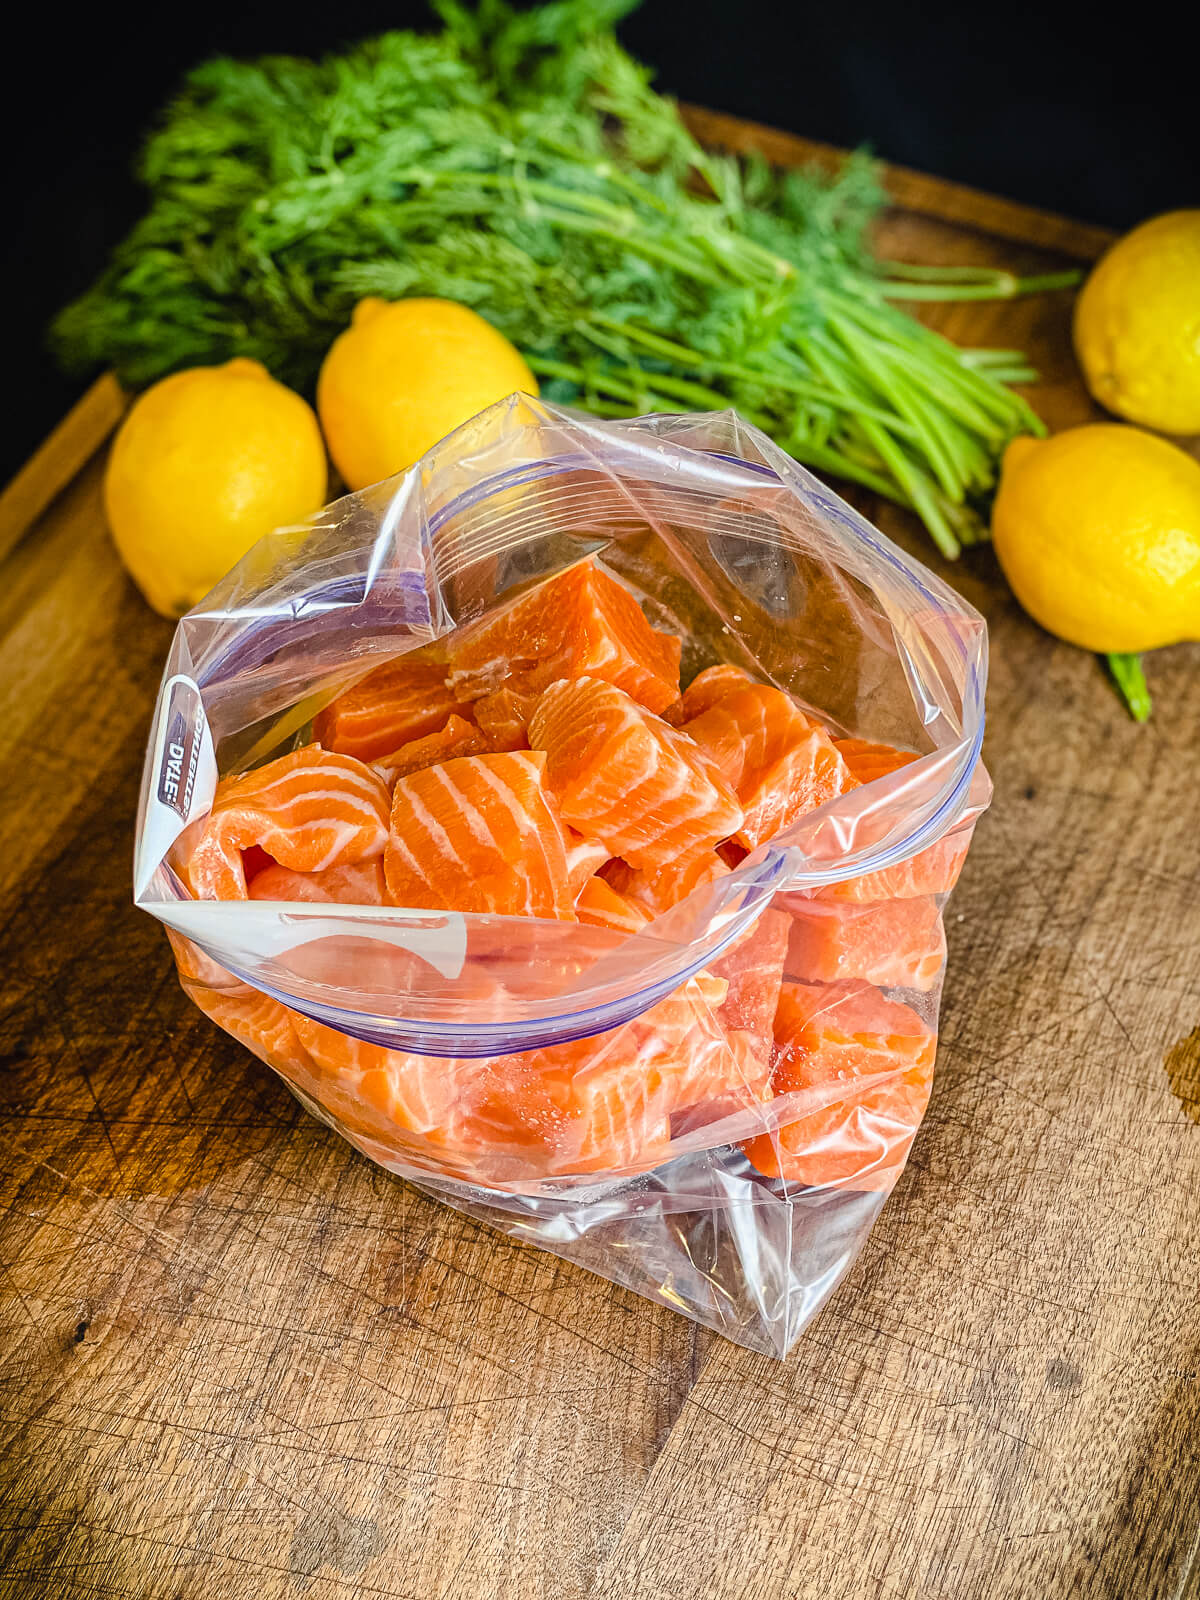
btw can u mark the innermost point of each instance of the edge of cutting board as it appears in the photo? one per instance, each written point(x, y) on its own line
point(914, 191)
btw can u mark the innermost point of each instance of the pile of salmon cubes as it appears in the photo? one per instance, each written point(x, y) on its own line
point(544, 763)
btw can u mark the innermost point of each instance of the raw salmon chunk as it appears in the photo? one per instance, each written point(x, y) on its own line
point(716, 1075)
point(707, 1072)
point(458, 738)
point(709, 686)
point(746, 729)
point(581, 623)
point(673, 1018)
point(625, 1088)
point(401, 701)
point(753, 969)
point(581, 1106)
point(865, 1065)
point(503, 718)
point(310, 810)
point(360, 884)
point(618, 1111)
point(604, 1103)
point(932, 871)
point(585, 857)
point(657, 889)
point(626, 778)
point(778, 762)
point(602, 906)
point(262, 1024)
point(479, 834)
point(897, 944)
point(870, 761)
point(373, 1089)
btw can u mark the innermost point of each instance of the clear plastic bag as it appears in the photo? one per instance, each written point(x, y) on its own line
point(710, 1110)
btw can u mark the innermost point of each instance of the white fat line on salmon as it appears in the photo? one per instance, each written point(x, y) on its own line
point(480, 829)
point(424, 818)
point(398, 846)
point(344, 835)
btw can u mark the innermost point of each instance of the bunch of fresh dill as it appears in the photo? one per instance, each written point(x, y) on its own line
point(519, 162)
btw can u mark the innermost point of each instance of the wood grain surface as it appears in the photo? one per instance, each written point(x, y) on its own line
point(239, 1363)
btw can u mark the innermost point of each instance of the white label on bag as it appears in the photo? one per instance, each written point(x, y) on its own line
point(183, 776)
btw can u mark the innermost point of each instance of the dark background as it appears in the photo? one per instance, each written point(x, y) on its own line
point(1079, 109)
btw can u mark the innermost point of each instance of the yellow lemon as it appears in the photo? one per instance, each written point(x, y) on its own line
point(1137, 325)
point(405, 374)
point(1098, 532)
point(207, 462)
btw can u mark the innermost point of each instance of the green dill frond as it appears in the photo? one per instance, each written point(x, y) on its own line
point(521, 162)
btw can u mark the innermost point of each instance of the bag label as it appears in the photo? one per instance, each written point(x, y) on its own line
point(181, 778)
point(182, 744)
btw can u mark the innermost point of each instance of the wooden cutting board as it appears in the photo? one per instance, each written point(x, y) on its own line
point(236, 1361)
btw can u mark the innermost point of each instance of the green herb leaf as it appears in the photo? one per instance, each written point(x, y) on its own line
point(519, 161)
point(1131, 681)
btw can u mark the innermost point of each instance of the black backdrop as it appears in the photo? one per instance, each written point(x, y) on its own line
point(1090, 111)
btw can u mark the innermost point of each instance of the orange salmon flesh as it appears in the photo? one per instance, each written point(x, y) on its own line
point(545, 762)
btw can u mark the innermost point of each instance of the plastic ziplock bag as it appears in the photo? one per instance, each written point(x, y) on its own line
point(710, 1109)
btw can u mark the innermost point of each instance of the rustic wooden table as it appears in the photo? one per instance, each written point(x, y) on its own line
point(238, 1361)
